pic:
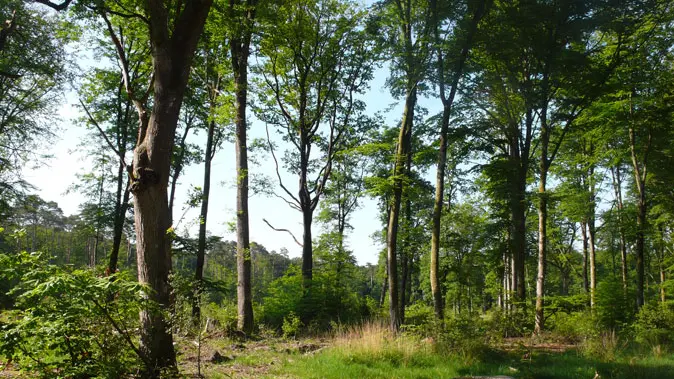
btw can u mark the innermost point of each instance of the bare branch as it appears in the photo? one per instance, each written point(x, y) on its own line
point(102, 133)
point(278, 173)
point(283, 230)
point(56, 7)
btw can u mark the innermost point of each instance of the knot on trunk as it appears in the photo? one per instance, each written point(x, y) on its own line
point(142, 176)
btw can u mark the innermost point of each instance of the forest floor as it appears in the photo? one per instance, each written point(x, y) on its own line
point(375, 354)
point(367, 356)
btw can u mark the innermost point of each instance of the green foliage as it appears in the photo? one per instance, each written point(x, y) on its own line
point(574, 327)
point(70, 323)
point(614, 309)
point(225, 316)
point(291, 325)
point(285, 295)
point(419, 319)
point(514, 323)
point(654, 325)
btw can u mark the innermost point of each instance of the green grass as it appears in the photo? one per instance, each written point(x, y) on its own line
point(371, 353)
point(336, 364)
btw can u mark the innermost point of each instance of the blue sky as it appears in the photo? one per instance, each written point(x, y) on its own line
point(53, 177)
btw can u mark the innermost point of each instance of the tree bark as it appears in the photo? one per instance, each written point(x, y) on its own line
point(240, 49)
point(203, 217)
point(447, 103)
point(593, 256)
point(172, 52)
point(402, 151)
point(640, 175)
point(617, 189)
point(583, 229)
point(542, 223)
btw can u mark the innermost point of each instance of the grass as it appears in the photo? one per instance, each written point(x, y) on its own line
point(371, 352)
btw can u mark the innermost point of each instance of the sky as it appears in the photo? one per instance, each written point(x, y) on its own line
point(54, 176)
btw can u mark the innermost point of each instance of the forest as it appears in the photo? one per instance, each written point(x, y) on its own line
point(522, 179)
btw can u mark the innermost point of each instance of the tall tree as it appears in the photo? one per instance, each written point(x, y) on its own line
point(242, 15)
point(316, 61)
point(173, 33)
point(405, 31)
point(463, 40)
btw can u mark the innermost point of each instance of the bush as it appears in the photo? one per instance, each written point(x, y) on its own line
point(654, 325)
point(70, 323)
point(291, 325)
point(419, 319)
point(614, 310)
point(574, 327)
point(605, 346)
point(515, 323)
point(225, 315)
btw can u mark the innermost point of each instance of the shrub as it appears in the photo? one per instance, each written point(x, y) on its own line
point(419, 319)
point(291, 325)
point(515, 323)
point(70, 323)
point(654, 325)
point(574, 327)
point(613, 309)
point(605, 346)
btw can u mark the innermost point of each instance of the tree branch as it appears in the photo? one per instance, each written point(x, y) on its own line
point(102, 133)
point(56, 7)
point(283, 230)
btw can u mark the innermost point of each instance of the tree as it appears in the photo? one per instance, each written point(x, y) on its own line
point(315, 62)
point(242, 15)
point(33, 71)
point(173, 33)
point(463, 39)
point(207, 88)
point(405, 35)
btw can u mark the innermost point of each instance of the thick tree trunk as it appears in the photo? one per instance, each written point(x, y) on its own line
point(203, 217)
point(307, 248)
point(240, 51)
point(172, 52)
point(402, 151)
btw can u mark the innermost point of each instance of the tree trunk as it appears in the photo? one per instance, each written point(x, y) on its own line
point(402, 151)
point(583, 229)
point(404, 260)
point(542, 239)
point(640, 239)
point(617, 188)
point(172, 52)
point(518, 225)
point(240, 51)
point(593, 264)
point(120, 217)
point(203, 217)
point(640, 175)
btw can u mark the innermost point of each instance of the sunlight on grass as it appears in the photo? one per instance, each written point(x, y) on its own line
point(371, 351)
